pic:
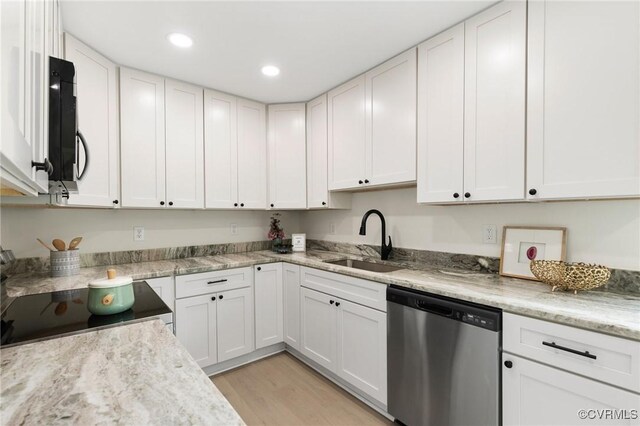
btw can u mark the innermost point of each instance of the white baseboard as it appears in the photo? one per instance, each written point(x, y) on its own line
point(230, 364)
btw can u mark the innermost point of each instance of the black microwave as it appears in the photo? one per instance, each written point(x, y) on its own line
point(64, 137)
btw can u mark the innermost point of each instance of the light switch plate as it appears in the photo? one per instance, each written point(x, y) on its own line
point(138, 233)
point(234, 228)
point(489, 234)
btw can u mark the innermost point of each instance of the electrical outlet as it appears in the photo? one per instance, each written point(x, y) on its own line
point(234, 228)
point(332, 229)
point(138, 233)
point(490, 234)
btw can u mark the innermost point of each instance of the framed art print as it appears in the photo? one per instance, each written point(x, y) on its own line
point(522, 244)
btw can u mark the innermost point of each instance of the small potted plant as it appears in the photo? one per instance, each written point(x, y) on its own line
point(276, 233)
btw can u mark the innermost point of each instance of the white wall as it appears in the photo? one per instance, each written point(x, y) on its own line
point(112, 230)
point(607, 232)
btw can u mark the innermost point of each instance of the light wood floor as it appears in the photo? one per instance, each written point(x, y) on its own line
point(280, 390)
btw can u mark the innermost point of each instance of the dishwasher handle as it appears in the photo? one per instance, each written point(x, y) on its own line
point(434, 308)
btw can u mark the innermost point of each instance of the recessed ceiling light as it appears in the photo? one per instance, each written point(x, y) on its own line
point(270, 70)
point(180, 40)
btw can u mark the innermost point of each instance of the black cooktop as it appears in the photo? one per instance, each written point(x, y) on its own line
point(47, 315)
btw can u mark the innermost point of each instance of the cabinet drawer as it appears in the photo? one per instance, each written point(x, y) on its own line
point(213, 282)
point(367, 293)
point(602, 357)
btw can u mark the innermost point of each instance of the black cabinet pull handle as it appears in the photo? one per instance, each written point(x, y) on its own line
point(337, 303)
point(456, 195)
point(467, 195)
point(573, 351)
point(162, 203)
point(533, 191)
point(241, 204)
point(331, 302)
point(259, 268)
point(366, 181)
point(115, 201)
point(235, 204)
point(220, 297)
point(213, 298)
point(508, 364)
point(170, 203)
point(224, 280)
point(271, 204)
point(360, 182)
point(324, 204)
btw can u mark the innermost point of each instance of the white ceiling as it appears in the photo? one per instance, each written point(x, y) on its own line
point(317, 45)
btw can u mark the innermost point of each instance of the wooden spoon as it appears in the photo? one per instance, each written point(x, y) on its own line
point(74, 243)
point(59, 244)
point(45, 245)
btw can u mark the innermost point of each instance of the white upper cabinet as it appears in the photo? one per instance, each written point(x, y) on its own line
point(346, 135)
point(220, 150)
point(494, 128)
point(318, 195)
point(583, 105)
point(184, 145)
point(97, 112)
point(372, 127)
point(25, 45)
point(391, 121)
point(142, 143)
point(287, 156)
point(441, 117)
point(252, 155)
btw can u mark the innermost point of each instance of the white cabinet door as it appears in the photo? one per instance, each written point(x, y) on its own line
point(362, 348)
point(221, 150)
point(142, 139)
point(252, 155)
point(235, 323)
point(318, 327)
point(347, 139)
point(583, 105)
point(441, 117)
point(391, 121)
point(184, 145)
point(268, 306)
point(494, 131)
point(97, 112)
point(291, 290)
point(536, 394)
point(164, 288)
point(196, 327)
point(318, 195)
point(287, 156)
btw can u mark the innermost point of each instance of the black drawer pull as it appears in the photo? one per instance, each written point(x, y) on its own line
point(573, 351)
point(224, 280)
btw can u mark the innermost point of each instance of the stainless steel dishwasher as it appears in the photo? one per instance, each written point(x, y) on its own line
point(443, 358)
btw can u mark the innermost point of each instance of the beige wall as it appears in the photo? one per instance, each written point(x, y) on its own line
point(112, 230)
point(598, 231)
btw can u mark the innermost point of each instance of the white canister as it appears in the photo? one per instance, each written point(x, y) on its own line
point(299, 242)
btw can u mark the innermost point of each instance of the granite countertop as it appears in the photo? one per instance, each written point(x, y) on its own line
point(133, 374)
point(606, 312)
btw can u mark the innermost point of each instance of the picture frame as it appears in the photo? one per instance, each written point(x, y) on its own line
point(521, 244)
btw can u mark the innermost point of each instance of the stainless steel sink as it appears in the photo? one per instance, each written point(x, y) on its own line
point(366, 266)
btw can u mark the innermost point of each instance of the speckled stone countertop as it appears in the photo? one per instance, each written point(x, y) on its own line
point(133, 374)
point(606, 312)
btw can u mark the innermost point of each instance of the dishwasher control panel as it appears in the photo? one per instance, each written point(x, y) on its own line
point(479, 320)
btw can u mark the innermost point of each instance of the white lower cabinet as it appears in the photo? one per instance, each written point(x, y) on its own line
point(347, 338)
point(216, 326)
point(269, 318)
point(196, 327)
point(164, 288)
point(319, 328)
point(536, 394)
point(235, 323)
point(291, 305)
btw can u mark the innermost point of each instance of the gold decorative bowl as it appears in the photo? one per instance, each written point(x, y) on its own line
point(570, 276)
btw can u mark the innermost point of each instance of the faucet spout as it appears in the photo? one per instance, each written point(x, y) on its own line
point(385, 250)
